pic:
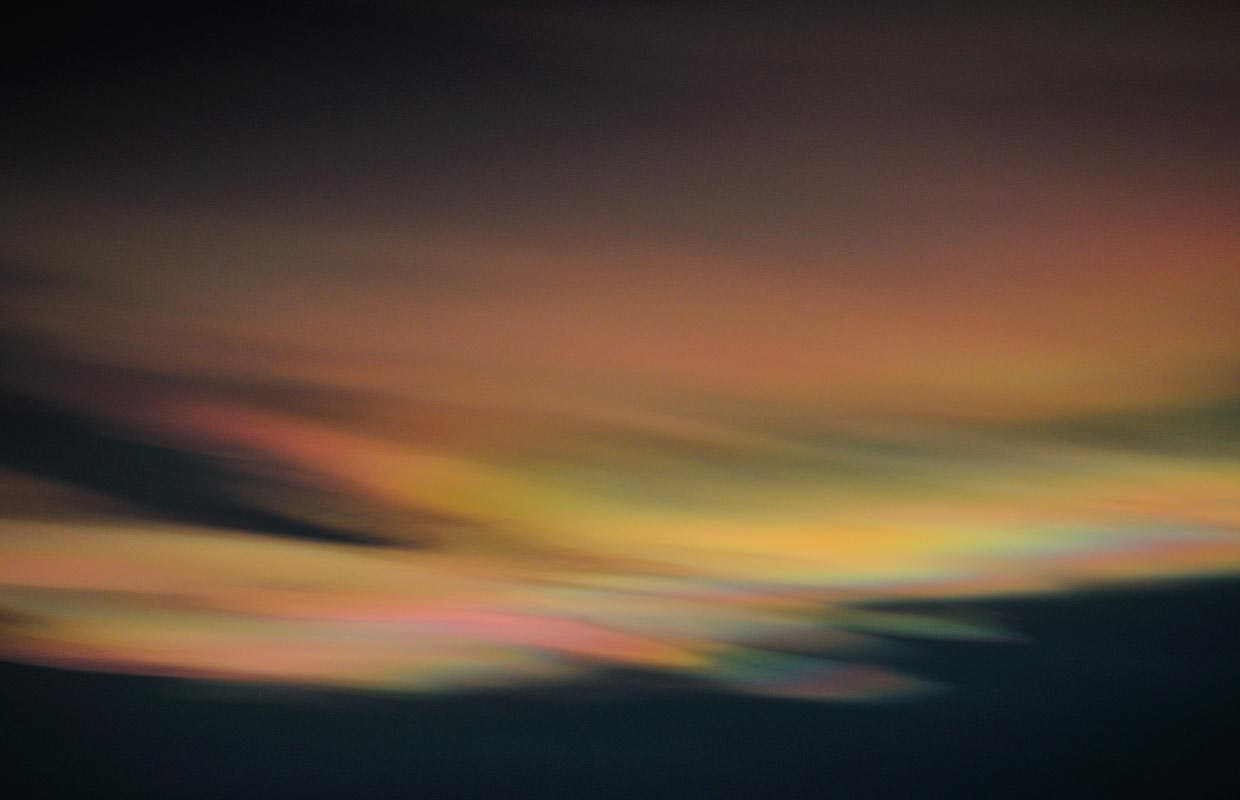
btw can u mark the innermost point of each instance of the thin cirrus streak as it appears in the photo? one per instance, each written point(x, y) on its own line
point(771, 559)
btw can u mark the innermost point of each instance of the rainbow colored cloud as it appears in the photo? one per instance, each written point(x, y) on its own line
point(724, 554)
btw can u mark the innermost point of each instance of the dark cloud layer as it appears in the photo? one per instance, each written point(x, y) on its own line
point(174, 484)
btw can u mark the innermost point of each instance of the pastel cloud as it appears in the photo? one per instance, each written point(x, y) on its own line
point(719, 554)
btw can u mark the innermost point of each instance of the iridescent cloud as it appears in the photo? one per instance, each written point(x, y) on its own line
point(750, 557)
point(415, 350)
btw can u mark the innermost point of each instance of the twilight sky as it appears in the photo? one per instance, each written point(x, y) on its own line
point(366, 344)
point(961, 211)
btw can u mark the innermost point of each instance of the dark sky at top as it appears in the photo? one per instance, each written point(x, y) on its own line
point(1057, 180)
point(682, 118)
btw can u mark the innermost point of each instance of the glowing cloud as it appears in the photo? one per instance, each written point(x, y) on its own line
point(724, 554)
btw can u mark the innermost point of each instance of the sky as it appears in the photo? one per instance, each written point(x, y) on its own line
point(417, 349)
